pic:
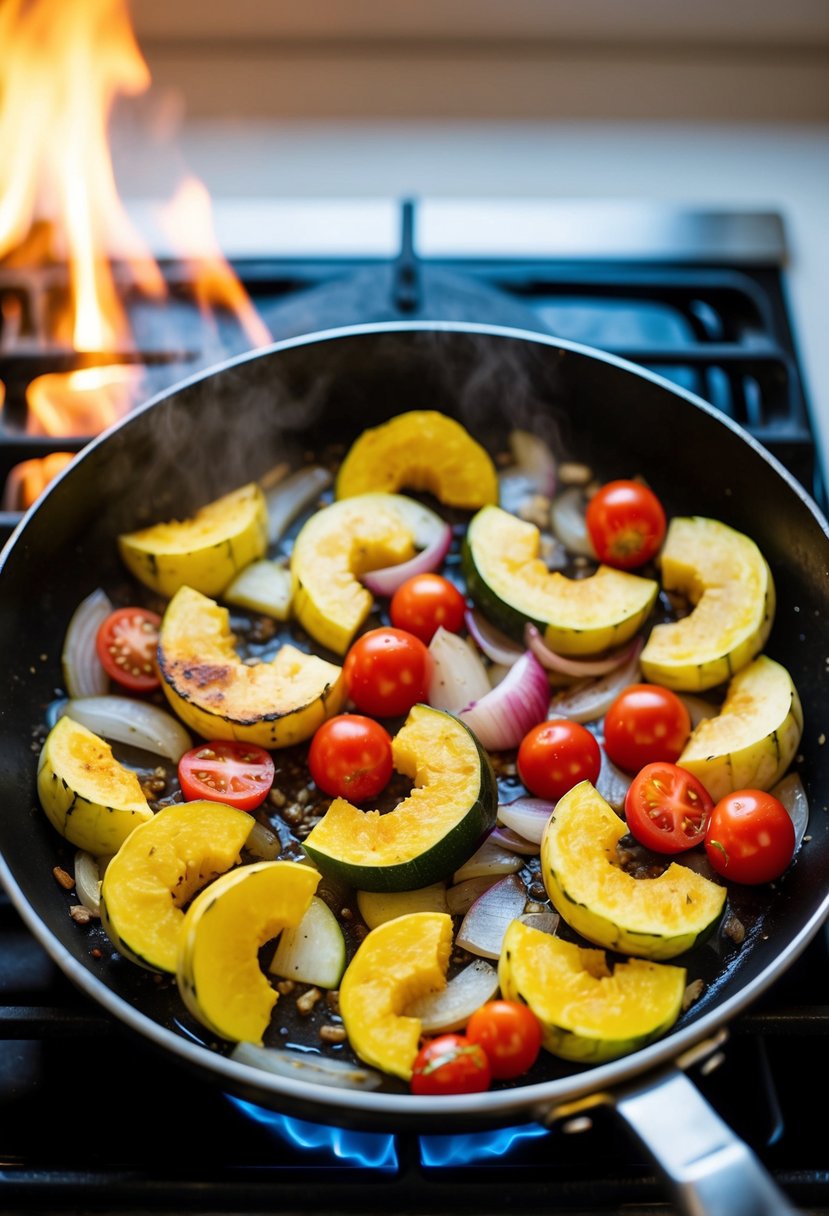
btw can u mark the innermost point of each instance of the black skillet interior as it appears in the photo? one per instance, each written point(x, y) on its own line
point(232, 425)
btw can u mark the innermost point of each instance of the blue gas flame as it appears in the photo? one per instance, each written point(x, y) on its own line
point(375, 1150)
point(475, 1146)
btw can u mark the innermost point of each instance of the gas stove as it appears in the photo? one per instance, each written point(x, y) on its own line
point(92, 1120)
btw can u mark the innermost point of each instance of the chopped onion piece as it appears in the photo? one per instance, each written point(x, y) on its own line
point(612, 783)
point(589, 700)
point(534, 471)
point(263, 843)
point(791, 793)
point(88, 881)
point(575, 667)
point(482, 929)
point(494, 644)
point(461, 897)
point(83, 674)
point(528, 817)
point(490, 858)
point(568, 521)
point(502, 718)
point(289, 498)
point(544, 922)
point(452, 1007)
point(321, 1070)
point(698, 708)
point(459, 676)
point(386, 581)
point(137, 723)
point(513, 843)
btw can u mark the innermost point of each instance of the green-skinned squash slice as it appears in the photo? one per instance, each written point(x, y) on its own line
point(656, 918)
point(510, 583)
point(431, 832)
point(588, 1012)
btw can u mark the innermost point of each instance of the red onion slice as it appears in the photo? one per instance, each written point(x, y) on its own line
point(491, 641)
point(575, 667)
point(482, 929)
point(590, 700)
point(507, 839)
point(434, 538)
point(502, 718)
point(458, 672)
point(528, 817)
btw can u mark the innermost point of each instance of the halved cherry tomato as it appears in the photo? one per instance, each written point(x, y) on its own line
point(126, 642)
point(626, 523)
point(750, 837)
point(424, 602)
point(556, 755)
point(225, 770)
point(667, 808)
point(509, 1033)
point(451, 1064)
point(350, 757)
point(645, 723)
point(387, 672)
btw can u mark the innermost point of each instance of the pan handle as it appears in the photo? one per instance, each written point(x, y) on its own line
point(710, 1170)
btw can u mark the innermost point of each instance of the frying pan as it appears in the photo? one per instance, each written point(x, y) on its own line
point(229, 425)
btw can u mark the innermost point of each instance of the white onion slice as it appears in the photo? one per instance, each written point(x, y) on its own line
point(568, 521)
point(482, 929)
point(502, 718)
point(590, 700)
point(386, 581)
point(459, 676)
point(507, 839)
point(612, 783)
point(290, 497)
point(491, 641)
point(526, 816)
point(83, 674)
point(137, 723)
point(534, 471)
point(552, 661)
point(490, 858)
point(452, 1007)
point(321, 1070)
point(263, 843)
point(791, 793)
point(461, 897)
point(88, 881)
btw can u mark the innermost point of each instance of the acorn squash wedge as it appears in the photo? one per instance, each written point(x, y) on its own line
point(511, 584)
point(431, 832)
point(92, 799)
point(588, 1012)
point(728, 581)
point(204, 551)
point(337, 545)
point(274, 704)
point(157, 871)
point(656, 918)
point(420, 450)
point(397, 962)
point(218, 971)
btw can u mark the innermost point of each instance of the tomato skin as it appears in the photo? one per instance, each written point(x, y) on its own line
point(238, 774)
point(424, 602)
point(667, 808)
point(126, 644)
point(556, 755)
point(350, 756)
point(387, 672)
point(509, 1033)
point(450, 1064)
point(750, 837)
point(626, 523)
point(645, 723)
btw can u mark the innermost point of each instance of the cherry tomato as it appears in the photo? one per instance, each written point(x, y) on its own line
point(387, 672)
point(554, 756)
point(350, 757)
point(126, 642)
point(645, 723)
point(239, 774)
point(426, 601)
point(667, 808)
point(451, 1064)
point(626, 523)
point(750, 837)
point(509, 1033)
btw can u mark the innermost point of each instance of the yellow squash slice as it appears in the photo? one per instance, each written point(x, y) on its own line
point(588, 1012)
point(396, 963)
point(274, 704)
